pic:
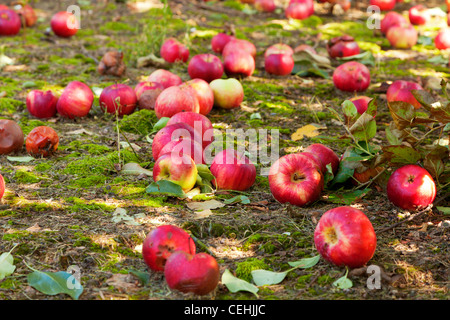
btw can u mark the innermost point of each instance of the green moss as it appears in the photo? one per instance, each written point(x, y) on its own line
point(42, 167)
point(303, 280)
point(10, 106)
point(115, 26)
point(140, 122)
point(23, 176)
point(79, 205)
point(244, 268)
point(29, 124)
point(324, 280)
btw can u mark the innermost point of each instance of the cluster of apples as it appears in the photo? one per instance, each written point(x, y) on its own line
point(42, 141)
point(171, 250)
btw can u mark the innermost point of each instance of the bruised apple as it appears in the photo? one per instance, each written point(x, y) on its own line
point(161, 242)
point(11, 136)
point(342, 46)
point(27, 14)
point(42, 141)
point(196, 273)
point(146, 93)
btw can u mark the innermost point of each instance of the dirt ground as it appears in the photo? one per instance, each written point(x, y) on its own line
point(61, 211)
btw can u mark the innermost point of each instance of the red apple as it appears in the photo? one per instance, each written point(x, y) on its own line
point(176, 99)
point(239, 45)
point(299, 9)
point(204, 130)
point(118, 98)
point(75, 101)
point(265, 5)
point(228, 93)
point(146, 93)
point(402, 36)
point(390, 19)
point(205, 66)
point(351, 76)
point(326, 156)
point(9, 22)
point(411, 187)
point(27, 14)
point(278, 48)
point(198, 274)
point(400, 90)
point(442, 39)
point(204, 94)
point(342, 46)
point(239, 64)
point(219, 41)
point(419, 15)
point(161, 242)
point(280, 64)
point(345, 236)
point(2, 186)
point(384, 5)
point(41, 104)
point(296, 179)
point(173, 50)
point(232, 171)
point(64, 24)
point(361, 103)
point(175, 131)
point(11, 136)
point(178, 168)
point(42, 141)
point(185, 146)
point(165, 77)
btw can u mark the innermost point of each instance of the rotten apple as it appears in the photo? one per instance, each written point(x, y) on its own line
point(344, 236)
point(411, 187)
point(11, 136)
point(42, 141)
point(161, 242)
point(265, 5)
point(27, 14)
point(342, 46)
point(146, 93)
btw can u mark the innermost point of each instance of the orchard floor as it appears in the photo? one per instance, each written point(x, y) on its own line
point(61, 211)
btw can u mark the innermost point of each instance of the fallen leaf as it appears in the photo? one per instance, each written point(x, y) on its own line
point(204, 205)
point(133, 168)
point(80, 131)
point(310, 130)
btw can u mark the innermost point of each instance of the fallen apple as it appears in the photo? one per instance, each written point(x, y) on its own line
point(41, 104)
point(204, 94)
point(296, 179)
point(161, 242)
point(345, 236)
point(390, 19)
point(384, 5)
point(9, 22)
point(411, 187)
point(280, 64)
point(351, 76)
point(42, 141)
point(64, 24)
point(278, 48)
point(185, 146)
point(205, 66)
point(239, 45)
point(2, 186)
point(342, 46)
point(178, 168)
point(146, 93)
point(173, 50)
point(11, 136)
point(118, 99)
point(175, 131)
point(232, 171)
point(27, 14)
point(165, 77)
point(238, 64)
point(402, 36)
point(265, 5)
point(361, 103)
point(299, 9)
point(326, 155)
point(400, 90)
point(195, 273)
point(219, 41)
point(176, 99)
point(442, 39)
point(419, 15)
point(75, 101)
point(228, 93)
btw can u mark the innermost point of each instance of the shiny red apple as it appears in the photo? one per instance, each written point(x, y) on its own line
point(165, 77)
point(280, 64)
point(419, 15)
point(239, 63)
point(9, 22)
point(41, 104)
point(278, 48)
point(75, 101)
point(299, 9)
point(219, 41)
point(442, 39)
point(400, 90)
point(351, 76)
point(232, 171)
point(411, 187)
point(194, 273)
point(390, 19)
point(161, 242)
point(384, 5)
point(204, 94)
point(118, 98)
point(2, 186)
point(296, 179)
point(64, 24)
point(326, 156)
point(173, 50)
point(239, 45)
point(186, 146)
point(205, 66)
point(176, 99)
point(344, 236)
point(175, 131)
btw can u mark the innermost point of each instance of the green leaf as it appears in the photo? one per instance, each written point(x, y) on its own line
point(401, 154)
point(343, 174)
point(166, 187)
point(365, 128)
point(143, 276)
point(255, 115)
point(349, 109)
point(161, 123)
point(235, 284)
point(7, 266)
point(365, 57)
point(266, 277)
point(343, 283)
point(53, 283)
point(444, 210)
point(20, 158)
point(305, 262)
point(241, 198)
point(347, 198)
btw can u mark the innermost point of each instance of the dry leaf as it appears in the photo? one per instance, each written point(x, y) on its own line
point(80, 131)
point(203, 214)
point(204, 205)
point(310, 130)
